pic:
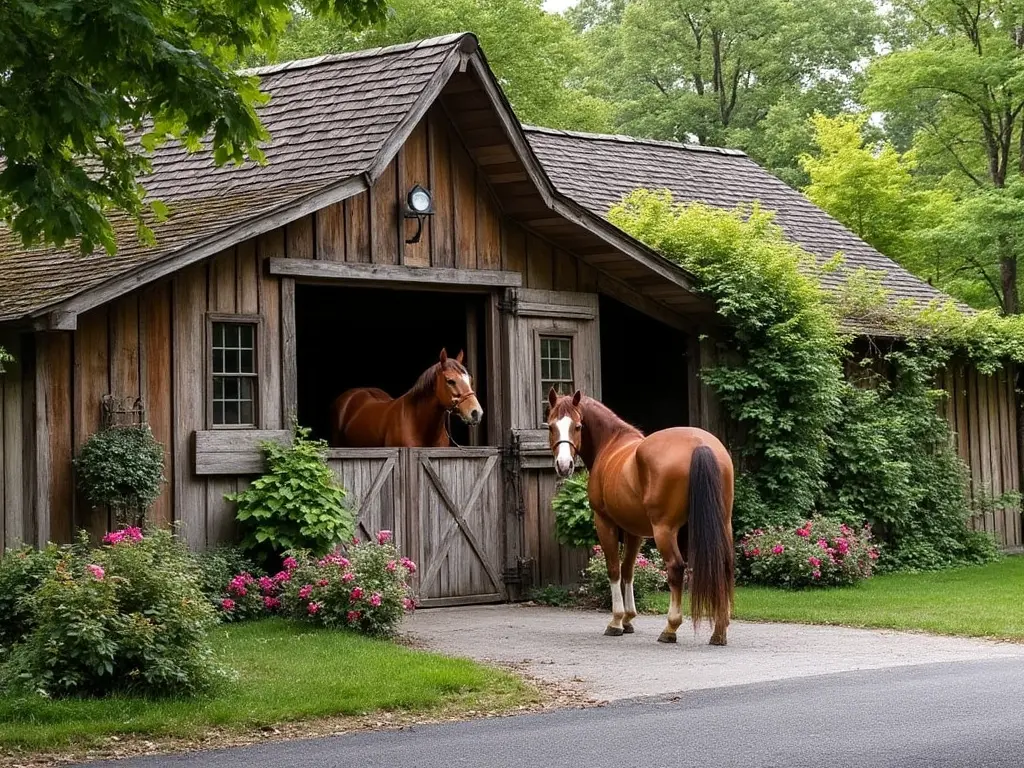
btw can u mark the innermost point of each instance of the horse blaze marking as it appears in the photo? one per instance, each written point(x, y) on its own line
point(459, 521)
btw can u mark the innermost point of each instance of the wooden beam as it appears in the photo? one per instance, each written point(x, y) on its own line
point(622, 292)
point(331, 271)
point(234, 451)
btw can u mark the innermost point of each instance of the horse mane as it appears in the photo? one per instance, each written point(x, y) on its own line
point(425, 383)
point(611, 420)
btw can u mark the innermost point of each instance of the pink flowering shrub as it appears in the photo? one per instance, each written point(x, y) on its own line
point(648, 579)
point(820, 553)
point(365, 589)
point(128, 615)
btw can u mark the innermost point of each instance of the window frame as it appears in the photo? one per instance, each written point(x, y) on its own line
point(256, 321)
point(557, 332)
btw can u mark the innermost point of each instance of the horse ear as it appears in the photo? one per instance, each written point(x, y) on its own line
point(458, 357)
point(444, 355)
point(576, 398)
point(552, 397)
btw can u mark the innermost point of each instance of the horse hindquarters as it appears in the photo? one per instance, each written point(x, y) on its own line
point(710, 547)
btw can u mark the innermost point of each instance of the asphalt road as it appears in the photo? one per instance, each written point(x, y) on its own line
point(964, 714)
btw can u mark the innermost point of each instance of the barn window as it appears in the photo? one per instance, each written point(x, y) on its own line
point(233, 372)
point(555, 368)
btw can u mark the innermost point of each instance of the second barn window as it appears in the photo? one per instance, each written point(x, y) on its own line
point(233, 368)
point(555, 369)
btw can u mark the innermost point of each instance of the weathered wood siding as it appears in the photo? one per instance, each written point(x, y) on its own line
point(17, 512)
point(981, 412)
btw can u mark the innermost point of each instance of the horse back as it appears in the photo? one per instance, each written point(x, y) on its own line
point(359, 417)
point(663, 461)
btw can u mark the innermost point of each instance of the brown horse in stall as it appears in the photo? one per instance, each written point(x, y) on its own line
point(371, 418)
point(647, 487)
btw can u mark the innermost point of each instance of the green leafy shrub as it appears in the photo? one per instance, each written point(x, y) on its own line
point(648, 579)
point(554, 595)
point(128, 616)
point(231, 583)
point(297, 505)
point(121, 468)
point(22, 571)
point(574, 519)
point(366, 589)
point(820, 553)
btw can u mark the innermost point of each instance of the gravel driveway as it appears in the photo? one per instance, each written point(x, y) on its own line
point(567, 647)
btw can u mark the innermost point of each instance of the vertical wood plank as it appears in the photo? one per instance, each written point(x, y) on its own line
point(189, 364)
point(300, 243)
point(357, 228)
point(124, 347)
point(54, 446)
point(586, 277)
point(415, 170)
point(464, 179)
point(91, 383)
point(565, 272)
point(30, 440)
point(963, 424)
point(984, 437)
point(269, 246)
point(12, 450)
point(221, 283)
point(386, 223)
point(157, 385)
point(531, 524)
point(488, 233)
point(289, 360)
point(248, 300)
point(539, 263)
point(973, 441)
point(443, 221)
point(472, 363)
point(330, 232)
point(514, 252)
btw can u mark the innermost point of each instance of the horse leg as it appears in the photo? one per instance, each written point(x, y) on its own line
point(608, 535)
point(666, 539)
point(628, 562)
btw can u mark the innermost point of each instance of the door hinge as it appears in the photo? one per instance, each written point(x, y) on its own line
point(521, 573)
point(510, 304)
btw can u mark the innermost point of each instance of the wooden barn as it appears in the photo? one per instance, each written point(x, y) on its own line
point(312, 275)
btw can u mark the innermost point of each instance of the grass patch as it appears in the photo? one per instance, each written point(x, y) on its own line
point(286, 672)
point(981, 601)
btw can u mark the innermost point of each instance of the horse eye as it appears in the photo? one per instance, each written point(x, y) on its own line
point(451, 382)
point(577, 427)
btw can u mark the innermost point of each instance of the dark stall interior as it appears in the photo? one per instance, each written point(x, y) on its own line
point(643, 368)
point(360, 337)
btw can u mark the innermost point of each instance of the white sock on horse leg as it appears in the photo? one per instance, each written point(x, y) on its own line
point(617, 607)
point(630, 602)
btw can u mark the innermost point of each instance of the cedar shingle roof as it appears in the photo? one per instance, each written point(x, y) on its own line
point(328, 118)
point(597, 170)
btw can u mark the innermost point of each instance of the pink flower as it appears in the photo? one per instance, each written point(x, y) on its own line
point(391, 566)
point(356, 593)
point(313, 608)
point(642, 561)
point(355, 539)
point(348, 577)
point(322, 583)
point(873, 554)
point(271, 603)
point(353, 616)
point(375, 599)
point(237, 586)
point(227, 604)
point(778, 549)
point(306, 591)
point(290, 563)
point(408, 603)
point(814, 561)
point(267, 584)
point(754, 552)
point(843, 546)
point(383, 537)
point(131, 533)
point(408, 564)
point(816, 574)
point(802, 532)
point(96, 571)
point(822, 543)
point(282, 576)
point(596, 550)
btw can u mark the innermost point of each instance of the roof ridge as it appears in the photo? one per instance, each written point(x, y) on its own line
point(467, 40)
point(622, 138)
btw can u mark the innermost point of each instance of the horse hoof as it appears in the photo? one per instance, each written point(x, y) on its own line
point(717, 641)
point(614, 631)
point(627, 629)
point(665, 637)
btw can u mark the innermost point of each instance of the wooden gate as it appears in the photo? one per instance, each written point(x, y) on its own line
point(445, 506)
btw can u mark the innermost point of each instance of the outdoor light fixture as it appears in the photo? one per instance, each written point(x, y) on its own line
point(418, 205)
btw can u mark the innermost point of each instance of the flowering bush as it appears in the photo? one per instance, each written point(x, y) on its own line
point(821, 552)
point(648, 578)
point(126, 616)
point(22, 571)
point(365, 589)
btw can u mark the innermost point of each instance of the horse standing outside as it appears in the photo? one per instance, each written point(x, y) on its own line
point(370, 418)
point(675, 485)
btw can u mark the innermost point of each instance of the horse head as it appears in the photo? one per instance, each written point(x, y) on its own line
point(453, 388)
point(565, 430)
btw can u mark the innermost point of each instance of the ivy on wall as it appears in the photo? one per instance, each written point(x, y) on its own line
point(812, 441)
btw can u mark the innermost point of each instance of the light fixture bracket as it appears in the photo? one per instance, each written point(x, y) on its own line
point(419, 204)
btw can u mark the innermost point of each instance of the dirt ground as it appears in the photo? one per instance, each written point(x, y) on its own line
point(568, 648)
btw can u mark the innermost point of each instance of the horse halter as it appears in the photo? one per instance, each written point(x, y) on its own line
point(460, 399)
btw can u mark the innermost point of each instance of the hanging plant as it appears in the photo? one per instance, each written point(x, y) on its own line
point(121, 468)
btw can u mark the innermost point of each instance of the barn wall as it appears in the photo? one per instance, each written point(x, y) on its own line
point(981, 412)
point(17, 511)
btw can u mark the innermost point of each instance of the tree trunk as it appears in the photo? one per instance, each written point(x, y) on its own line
point(1008, 277)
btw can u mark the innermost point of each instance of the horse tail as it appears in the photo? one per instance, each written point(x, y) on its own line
point(710, 546)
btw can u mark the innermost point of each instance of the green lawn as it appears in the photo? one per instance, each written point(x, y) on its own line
point(980, 601)
point(286, 672)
